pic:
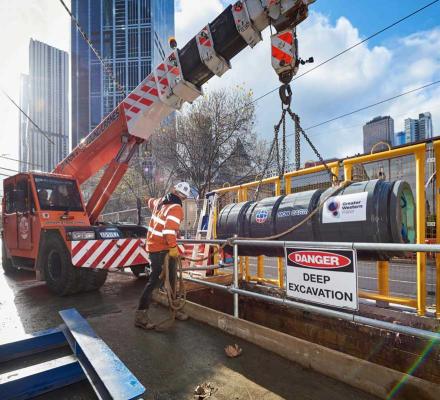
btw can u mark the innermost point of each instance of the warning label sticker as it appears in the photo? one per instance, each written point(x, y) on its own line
point(326, 277)
point(345, 208)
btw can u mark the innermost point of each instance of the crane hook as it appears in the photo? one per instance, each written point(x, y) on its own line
point(285, 92)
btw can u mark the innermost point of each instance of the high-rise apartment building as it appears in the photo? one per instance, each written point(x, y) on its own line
point(44, 95)
point(379, 129)
point(132, 37)
point(419, 129)
point(411, 130)
point(23, 138)
point(425, 126)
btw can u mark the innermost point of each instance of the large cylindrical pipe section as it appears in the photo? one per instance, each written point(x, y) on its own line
point(372, 211)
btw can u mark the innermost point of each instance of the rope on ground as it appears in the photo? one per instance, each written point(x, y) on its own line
point(176, 297)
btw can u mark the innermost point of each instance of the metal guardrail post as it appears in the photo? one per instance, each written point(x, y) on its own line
point(260, 267)
point(437, 225)
point(236, 311)
point(383, 283)
point(348, 172)
point(421, 228)
point(280, 262)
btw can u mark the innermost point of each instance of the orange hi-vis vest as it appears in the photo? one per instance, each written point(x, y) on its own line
point(164, 225)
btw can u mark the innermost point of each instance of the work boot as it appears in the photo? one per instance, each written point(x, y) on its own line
point(181, 316)
point(142, 320)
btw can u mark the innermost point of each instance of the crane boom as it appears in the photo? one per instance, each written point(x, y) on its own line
point(176, 80)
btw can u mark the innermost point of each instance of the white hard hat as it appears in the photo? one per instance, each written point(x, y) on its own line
point(183, 188)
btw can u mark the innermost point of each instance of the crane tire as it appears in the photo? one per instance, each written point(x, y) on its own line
point(92, 279)
point(61, 276)
point(7, 265)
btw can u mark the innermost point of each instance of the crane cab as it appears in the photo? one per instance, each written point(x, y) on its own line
point(46, 229)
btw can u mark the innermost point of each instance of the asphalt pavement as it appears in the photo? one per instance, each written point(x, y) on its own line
point(169, 364)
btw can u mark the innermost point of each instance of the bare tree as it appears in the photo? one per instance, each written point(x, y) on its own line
point(213, 141)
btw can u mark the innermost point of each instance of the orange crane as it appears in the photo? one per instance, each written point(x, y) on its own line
point(48, 228)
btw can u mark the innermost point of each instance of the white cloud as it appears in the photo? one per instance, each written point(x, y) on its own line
point(193, 15)
point(360, 77)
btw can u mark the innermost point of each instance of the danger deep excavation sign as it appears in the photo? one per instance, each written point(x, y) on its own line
point(326, 277)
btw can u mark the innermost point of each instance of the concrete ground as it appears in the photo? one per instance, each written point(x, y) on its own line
point(169, 364)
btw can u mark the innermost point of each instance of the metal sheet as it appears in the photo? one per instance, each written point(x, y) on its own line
point(109, 376)
point(31, 344)
point(37, 379)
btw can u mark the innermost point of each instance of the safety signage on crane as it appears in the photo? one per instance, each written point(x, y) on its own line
point(327, 277)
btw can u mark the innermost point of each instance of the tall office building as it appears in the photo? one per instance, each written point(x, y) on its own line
point(411, 130)
point(132, 36)
point(425, 126)
point(379, 129)
point(44, 97)
point(23, 138)
point(419, 129)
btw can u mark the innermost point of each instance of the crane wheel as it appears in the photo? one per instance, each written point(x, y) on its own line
point(7, 265)
point(92, 279)
point(61, 276)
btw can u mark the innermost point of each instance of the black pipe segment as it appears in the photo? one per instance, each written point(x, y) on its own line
point(372, 211)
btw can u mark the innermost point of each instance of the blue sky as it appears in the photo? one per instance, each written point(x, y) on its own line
point(397, 60)
point(371, 15)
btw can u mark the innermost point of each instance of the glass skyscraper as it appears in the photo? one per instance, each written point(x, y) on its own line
point(44, 95)
point(131, 36)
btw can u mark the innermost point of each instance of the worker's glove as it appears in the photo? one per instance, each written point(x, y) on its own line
point(173, 252)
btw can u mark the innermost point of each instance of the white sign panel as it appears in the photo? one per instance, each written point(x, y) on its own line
point(345, 208)
point(326, 277)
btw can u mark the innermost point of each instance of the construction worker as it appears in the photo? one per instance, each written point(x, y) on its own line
point(167, 215)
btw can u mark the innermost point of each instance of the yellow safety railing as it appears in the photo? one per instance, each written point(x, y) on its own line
point(419, 153)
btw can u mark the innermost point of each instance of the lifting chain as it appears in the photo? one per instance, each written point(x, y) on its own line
point(285, 93)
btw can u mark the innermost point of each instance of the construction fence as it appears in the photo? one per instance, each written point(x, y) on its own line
point(413, 281)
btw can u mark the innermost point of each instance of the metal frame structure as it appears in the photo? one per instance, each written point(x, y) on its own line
point(345, 315)
point(92, 359)
point(419, 153)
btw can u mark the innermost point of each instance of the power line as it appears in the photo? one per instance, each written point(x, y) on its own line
point(92, 47)
point(5, 175)
point(27, 116)
point(21, 162)
point(346, 50)
point(370, 106)
point(8, 169)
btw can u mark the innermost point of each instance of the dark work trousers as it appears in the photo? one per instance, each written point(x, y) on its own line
point(157, 259)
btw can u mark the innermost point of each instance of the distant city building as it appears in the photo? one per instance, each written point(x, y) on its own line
point(399, 138)
point(411, 130)
point(425, 126)
point(132, 36)
point(379, 129)
point(23, 138)
point(44, 97)
point(419, 129)
point(312, 163)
